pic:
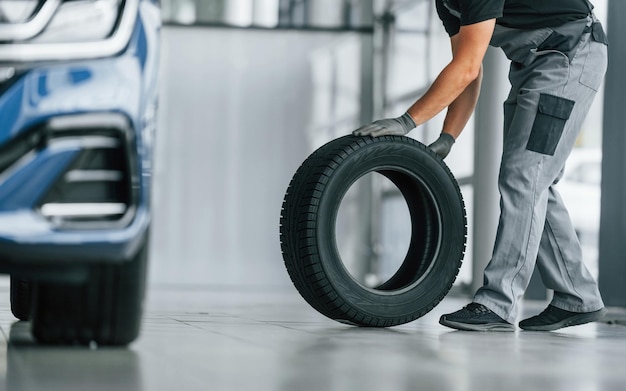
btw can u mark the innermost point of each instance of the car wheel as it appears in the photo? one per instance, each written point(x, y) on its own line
point(106, 309)
point(437, 243)
point(20, 297)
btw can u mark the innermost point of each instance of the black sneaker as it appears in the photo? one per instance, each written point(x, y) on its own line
point(553, 318)
point(475, 317)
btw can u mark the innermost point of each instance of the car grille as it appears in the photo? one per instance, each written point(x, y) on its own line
point(95, 188)
point(99, 188)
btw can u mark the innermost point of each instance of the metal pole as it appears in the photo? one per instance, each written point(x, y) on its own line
point(370, 109)
point(371, 90)
point(487, 153)
point(612, 267)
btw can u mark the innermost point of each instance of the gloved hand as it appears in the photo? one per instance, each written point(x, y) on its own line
point(391, 126)
point(442, 145)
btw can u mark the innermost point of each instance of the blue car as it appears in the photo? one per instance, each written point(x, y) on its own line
point(78, 100)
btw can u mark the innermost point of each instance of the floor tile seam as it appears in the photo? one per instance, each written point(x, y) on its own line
point(185, 323)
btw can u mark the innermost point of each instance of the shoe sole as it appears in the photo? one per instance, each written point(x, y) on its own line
point(478, 327)
point(574, 320)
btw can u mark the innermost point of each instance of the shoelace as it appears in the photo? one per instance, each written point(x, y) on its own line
point(477, 308)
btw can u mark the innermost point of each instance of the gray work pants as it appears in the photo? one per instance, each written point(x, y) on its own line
point(551, 93)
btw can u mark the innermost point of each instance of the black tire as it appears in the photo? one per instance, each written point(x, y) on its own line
point(21, 296)
point(437, 244)
point(106, 309)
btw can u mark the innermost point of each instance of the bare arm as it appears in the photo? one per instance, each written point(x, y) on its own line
point(458, 85)
point(460, 111)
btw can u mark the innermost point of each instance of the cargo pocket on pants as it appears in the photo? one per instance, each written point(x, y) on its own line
point(552, 114)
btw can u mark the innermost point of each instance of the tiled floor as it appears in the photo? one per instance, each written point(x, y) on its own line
point(197, 338)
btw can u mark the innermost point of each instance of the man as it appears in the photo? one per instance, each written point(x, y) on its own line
point(558, 59)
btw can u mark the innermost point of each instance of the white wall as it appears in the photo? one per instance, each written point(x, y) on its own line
point(235, 110)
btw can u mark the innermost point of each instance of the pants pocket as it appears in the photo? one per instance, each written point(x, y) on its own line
point(595, 66)
point(552, 114)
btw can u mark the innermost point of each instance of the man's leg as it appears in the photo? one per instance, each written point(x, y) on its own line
point(552, 99)
point(523, 205)
point(477, 317)
point(523, 183)
point(560, 262)
point(576, 297)
point(532, 161)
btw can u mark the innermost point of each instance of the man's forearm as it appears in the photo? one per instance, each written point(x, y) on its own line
point(460, 111)
point(451, 83)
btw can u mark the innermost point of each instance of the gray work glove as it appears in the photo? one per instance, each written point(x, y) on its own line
point(391, 126)
point(442, 145)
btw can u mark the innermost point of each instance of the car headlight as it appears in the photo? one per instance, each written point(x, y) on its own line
point(81, 21)
point(64, 29)
point(17, 11)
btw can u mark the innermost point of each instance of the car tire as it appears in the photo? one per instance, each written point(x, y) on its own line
point(438, 237)
point(20, 297)
point(106, 309)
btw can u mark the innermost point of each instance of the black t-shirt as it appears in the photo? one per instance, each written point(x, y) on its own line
point(521, 14)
